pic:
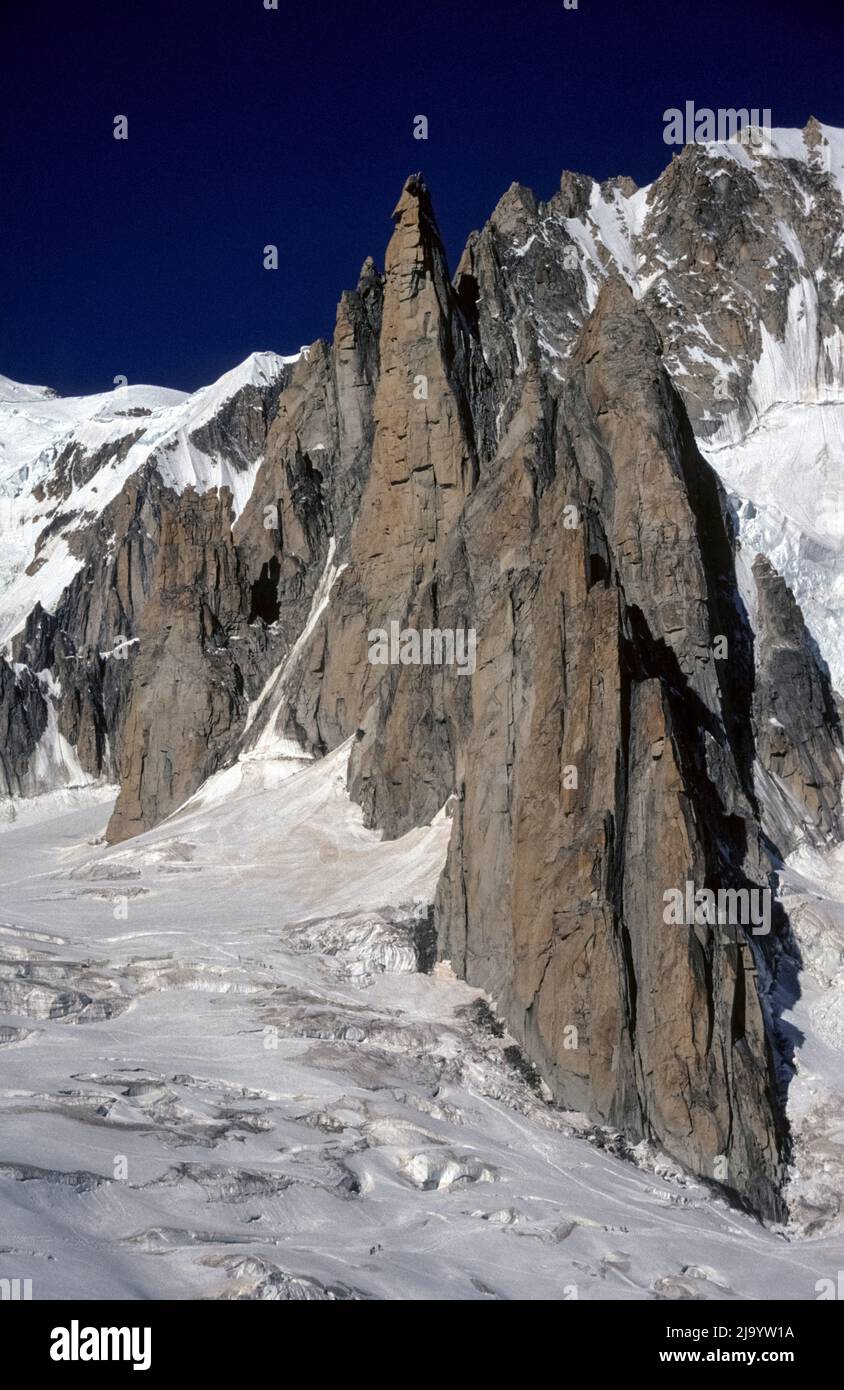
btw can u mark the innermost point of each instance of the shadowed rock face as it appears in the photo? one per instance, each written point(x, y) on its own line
point(798, 726)
point(609, 746)
point(23, 718)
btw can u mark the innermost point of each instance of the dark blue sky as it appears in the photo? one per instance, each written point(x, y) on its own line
point(248, 126)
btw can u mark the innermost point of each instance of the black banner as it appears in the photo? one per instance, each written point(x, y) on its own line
point(238, 1338)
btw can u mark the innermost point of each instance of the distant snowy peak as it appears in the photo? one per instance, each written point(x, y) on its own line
point(36, 423)
point(16, 391)
point(259, 369)
point(63, 460)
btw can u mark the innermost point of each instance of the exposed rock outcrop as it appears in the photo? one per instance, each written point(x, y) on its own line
point(603, 752)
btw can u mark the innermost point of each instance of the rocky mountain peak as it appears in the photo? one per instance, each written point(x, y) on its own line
point(543, 458)
point(516, 205)
point(573, 197)
point(621, 182)
point(414, 212)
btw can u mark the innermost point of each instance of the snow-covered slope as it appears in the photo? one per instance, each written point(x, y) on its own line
point(224, 1078)
point(786, 476)
point(812, 890)
point(18, 391)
